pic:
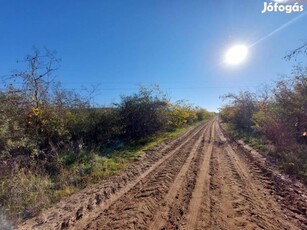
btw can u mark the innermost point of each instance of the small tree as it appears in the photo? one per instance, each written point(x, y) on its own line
point(33, 85)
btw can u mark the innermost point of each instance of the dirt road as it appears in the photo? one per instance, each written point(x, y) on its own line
point(200, 180)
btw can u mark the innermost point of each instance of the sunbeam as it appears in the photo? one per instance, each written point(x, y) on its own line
point(278, 29)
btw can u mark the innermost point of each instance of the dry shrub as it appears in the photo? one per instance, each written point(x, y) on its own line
point(24, 194)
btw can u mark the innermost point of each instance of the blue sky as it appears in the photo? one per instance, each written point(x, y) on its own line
point(179, 45)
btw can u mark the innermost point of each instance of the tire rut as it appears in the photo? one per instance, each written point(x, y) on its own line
point(252, 206)
point(177, 199)
point(201, 190)
point(75, 210)
point(176, 218)
point(136, 207)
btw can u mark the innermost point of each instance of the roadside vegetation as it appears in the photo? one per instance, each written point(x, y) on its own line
point(54, 143)
point(274, 121)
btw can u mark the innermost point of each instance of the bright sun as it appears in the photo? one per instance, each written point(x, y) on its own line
point(236, 54)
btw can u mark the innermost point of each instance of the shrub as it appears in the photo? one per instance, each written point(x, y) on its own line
point(143, 114)
point(25, 193)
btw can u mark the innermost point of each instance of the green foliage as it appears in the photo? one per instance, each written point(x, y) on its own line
point(143, 114)
point(105, 167)
point(182, 113)
point(102, 127)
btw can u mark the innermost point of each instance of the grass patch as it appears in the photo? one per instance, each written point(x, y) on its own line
point(25, 194)
point(255, 140)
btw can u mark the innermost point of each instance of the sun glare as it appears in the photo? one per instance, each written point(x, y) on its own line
point(236, 54)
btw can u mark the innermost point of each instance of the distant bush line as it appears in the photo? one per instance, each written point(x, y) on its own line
point(274, 121)
point(53, 142)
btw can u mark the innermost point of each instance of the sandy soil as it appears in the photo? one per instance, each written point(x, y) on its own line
point(200, 180)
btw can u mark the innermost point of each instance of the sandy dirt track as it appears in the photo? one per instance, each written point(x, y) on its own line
point(200, 180)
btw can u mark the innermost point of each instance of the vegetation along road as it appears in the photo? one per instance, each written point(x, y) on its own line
point(199, 180)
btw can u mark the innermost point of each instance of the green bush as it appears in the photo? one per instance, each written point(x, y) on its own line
point(143, 114)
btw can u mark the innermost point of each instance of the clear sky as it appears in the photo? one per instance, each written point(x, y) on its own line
point(178, 44)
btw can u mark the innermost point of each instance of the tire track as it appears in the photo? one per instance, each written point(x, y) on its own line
point(201, 190)
point(136, 207)
point(179, 207)
point(196, 181)
point(222, 213)
point(161, 217)
point(252, 205)
point(77, 209)
point(169, 154)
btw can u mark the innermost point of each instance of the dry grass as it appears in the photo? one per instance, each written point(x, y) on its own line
point(24, 194)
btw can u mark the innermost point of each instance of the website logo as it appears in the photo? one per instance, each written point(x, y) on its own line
point(283, 6)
